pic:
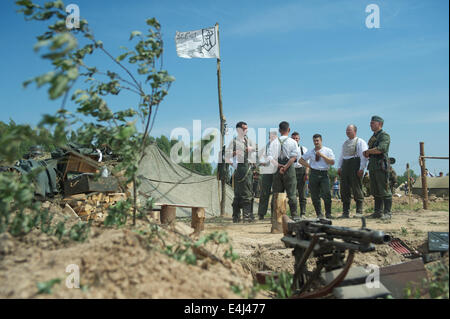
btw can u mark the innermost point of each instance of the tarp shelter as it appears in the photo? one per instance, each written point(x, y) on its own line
point(45, 181)
point(436, 186)
point(169, 183)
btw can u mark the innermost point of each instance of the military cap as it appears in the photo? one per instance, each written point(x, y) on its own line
point(377, 118)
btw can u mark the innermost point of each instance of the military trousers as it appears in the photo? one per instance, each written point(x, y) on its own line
point(351, 183)
point(266, 185)
point(379, 184)
point(287, 182)
point(319, 185)
point(300, 173)
point(243, 192)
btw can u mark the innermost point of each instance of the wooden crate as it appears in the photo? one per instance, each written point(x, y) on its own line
point(79, 165)
point(86, 183)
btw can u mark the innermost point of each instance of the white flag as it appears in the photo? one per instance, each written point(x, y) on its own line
point(202, 43)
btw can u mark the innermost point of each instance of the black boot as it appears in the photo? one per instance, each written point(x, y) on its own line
point(318, 210)
point(302, 210)
point(293, 209)
point(346, 211)
point(236, 214)
point(387, 209)
point(378, 209)
point(359, 210)
point(328, 210)
point(248, 213)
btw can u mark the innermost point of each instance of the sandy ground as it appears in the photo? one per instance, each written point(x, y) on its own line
point(122, 263)
point(261, 250)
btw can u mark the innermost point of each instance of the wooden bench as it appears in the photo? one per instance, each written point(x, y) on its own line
point(169, 212)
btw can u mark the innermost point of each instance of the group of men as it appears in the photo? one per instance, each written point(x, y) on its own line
point(285, 166)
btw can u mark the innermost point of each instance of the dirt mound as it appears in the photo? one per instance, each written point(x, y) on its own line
point(271, 258)
point(129, 263)
point(112, 264)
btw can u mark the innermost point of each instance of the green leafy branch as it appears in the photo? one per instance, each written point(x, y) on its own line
point(115, 129)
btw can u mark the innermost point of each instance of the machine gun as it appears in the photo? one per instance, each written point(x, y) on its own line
point(328, 244)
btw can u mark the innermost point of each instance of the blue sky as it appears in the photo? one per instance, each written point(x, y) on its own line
point(312, 63)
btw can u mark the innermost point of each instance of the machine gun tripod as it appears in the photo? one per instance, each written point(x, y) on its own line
point(317, 237)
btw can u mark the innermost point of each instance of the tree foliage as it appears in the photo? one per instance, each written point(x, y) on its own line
point(403, 178)
point(82, 90)
point(203, 168)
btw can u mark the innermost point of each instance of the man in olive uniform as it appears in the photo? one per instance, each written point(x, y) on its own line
point(242, 147)
point(286, 155)
point(256, 186)
point(266, 171)
point(366, 184)
point(379, 169)
point(351, 166)
point(392, 180)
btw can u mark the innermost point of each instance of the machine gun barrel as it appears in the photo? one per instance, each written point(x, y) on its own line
point(363, 235)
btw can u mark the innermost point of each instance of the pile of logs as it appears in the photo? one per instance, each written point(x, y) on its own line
point(92, 206)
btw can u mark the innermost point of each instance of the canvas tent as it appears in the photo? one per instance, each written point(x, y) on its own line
point(170, 183)
point(436, 186)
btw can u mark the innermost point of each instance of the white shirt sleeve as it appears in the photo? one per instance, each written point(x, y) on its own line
point(293, 149)
point(273, 150)
point(330, 154)
point(305, 150)
point(252, 154)
point(308, 155)
point(362, 146)
point(341, 158)
point(229, 151)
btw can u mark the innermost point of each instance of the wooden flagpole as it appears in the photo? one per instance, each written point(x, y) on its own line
point(222, 130)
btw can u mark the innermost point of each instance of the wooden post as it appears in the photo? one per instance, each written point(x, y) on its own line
point(408, 185)
point(168, 214)
point(424, 176)
point(279, 211)
point(198, 219)
point(222, 126)
point(155, 216)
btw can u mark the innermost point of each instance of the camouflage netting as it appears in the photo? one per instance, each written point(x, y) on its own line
point(169, 183)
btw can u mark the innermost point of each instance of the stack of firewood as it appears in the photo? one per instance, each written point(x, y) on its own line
point(92, 206)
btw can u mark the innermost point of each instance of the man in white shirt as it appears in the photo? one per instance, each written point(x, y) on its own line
point(351, 166)
point(241, 148)
point(284, 158)
point(266, 171)
point(301, 173)
point(320, 159)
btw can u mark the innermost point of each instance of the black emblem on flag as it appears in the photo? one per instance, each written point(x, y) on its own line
point(209, 39)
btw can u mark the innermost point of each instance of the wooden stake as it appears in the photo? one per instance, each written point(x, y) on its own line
point(424, 176)
point(279, 212)
point(198, 219)
point(168, 214)
point(408, 185)
point(222, 127)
